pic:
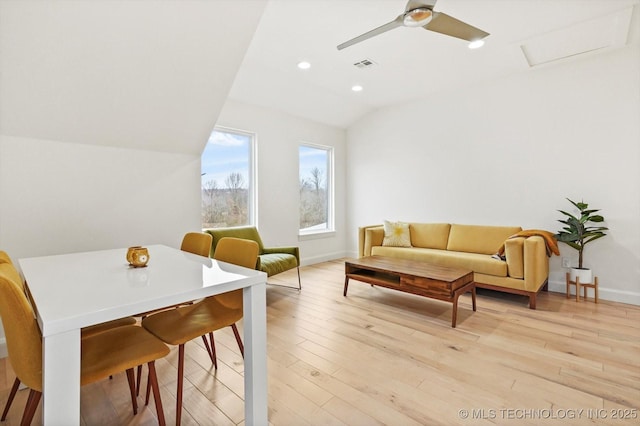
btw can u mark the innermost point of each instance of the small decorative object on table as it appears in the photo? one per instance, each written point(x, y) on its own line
point(137, 256)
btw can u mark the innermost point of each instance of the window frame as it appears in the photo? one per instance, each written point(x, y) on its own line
point(330, 193)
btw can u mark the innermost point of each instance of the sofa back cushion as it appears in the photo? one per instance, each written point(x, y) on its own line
point(479, 238)
point(429, 235)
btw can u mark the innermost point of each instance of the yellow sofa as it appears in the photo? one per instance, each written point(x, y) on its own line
point(525, 270)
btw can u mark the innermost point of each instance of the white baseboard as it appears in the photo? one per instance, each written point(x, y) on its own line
point(604, 293)
point(306, 261)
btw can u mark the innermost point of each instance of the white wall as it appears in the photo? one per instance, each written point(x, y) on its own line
point(278, 138)
point(60, 197)
point(508, 153)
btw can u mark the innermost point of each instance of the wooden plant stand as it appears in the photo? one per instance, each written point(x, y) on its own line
point(578, 284)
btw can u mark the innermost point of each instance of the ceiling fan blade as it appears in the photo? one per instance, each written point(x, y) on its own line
point(448, 25)
point(381, 29)
point(415, 4)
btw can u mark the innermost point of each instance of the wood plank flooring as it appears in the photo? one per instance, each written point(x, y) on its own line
point(381, 357)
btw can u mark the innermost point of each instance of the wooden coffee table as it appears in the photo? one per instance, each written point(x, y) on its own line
point(409, 276)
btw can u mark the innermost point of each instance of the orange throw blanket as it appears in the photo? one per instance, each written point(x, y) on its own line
point(549, 240)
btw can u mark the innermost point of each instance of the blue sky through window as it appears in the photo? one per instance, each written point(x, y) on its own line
point(225, 153)
point(311, 157)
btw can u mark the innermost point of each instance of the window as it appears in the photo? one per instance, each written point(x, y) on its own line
point(316, 189)
point(228, 183)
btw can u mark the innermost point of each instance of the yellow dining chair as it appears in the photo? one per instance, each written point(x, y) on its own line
point(197, 243)
point(179, 326)
point(86, 332)
point(102, 354)
point(193, 242)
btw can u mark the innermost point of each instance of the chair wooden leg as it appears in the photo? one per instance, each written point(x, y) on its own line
point(138, 379)
point(180, 384)
point(211, 348)
point(299, 282)
point(132, 389)
point(12, 394)
point(238, 339)
point(153, 379)
point(146, 398)
point(30, 408)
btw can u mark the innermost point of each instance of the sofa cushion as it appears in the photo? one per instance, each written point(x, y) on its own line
point(429, 235)
point(396, 234)
point(480, 263)
point(479, 238)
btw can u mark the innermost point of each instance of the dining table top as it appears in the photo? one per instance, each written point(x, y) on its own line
point(100, 285)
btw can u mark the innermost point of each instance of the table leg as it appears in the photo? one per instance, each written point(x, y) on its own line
point(255, 355)
point(346, 284)
point(454, 314)
point(61, 378)
point(473, 297)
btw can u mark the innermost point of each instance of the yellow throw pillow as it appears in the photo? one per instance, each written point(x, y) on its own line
point(396, 234)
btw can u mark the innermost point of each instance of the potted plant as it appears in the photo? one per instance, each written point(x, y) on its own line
point(577, 234)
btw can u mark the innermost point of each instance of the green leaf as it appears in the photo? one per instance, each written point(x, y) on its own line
point(574, 245)
point(568, 214)
point(594, 238)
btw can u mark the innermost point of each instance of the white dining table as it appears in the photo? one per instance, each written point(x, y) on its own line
point(72, 291)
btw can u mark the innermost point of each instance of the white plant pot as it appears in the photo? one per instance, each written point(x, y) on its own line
point(585, 275)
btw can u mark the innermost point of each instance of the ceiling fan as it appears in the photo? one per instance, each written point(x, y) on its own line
point(420, 13)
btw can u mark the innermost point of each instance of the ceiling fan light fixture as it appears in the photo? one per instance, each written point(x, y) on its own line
point(417, 17)
point(475, 44)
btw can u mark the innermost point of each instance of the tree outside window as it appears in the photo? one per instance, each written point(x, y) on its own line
point(227, 179)
point(315, 164)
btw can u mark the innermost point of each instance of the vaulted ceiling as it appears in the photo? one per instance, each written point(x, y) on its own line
point(412, 63)
point(143, 74)
point(153, 74)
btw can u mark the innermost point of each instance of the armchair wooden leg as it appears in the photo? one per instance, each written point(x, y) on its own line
point(299, 282)
point(12, 394)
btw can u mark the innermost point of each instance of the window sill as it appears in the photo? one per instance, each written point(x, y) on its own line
point(316, 235)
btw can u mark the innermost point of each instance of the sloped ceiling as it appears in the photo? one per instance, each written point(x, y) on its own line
point(138, 74)
point(411, 63)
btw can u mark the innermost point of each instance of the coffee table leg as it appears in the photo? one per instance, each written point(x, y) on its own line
point(346, 284)
point(473, 297)
point(454, 314)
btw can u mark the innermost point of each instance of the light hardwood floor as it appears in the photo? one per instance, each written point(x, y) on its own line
point(384, 357)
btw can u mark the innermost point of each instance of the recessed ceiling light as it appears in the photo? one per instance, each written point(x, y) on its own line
point(304, 65)
point(356, 88)
point(476, 44)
